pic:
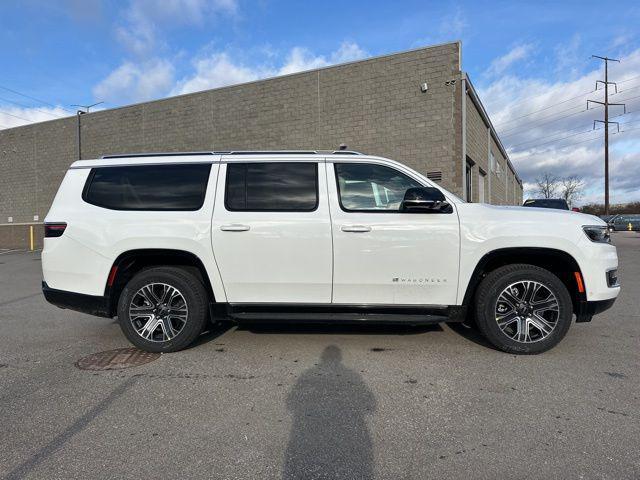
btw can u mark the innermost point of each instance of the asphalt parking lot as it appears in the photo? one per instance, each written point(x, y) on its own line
point(317, 402)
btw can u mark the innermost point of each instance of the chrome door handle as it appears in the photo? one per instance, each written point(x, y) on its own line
point(235, 227)
point(356, 228)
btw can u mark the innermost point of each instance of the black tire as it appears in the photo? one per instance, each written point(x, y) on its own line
point(486, 299)
point(194, 295)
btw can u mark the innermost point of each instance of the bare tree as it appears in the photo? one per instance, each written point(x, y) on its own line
point(547, 185)
point(571, 189)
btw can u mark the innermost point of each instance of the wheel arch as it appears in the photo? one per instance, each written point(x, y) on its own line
point(558, 262)
point(130, 262)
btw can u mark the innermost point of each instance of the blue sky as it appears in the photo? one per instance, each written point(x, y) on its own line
point(522, 56)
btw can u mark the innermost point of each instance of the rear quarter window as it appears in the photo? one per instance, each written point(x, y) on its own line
point(148, 187)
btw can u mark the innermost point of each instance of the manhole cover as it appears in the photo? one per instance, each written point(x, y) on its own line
point(116, 359)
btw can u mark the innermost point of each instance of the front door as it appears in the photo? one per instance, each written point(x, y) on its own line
point(383, 256)
point(271, 231)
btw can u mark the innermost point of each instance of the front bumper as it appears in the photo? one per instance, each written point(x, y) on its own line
point(586, 310)
point(93, 305)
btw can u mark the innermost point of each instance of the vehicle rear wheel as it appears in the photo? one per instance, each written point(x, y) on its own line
point(523, 309)
point(163, 309)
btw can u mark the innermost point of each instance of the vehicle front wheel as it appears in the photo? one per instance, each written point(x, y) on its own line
point(523, 309)
point(163, 309)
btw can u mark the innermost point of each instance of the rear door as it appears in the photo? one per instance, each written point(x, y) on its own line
point(383, 256)
point(271, 231)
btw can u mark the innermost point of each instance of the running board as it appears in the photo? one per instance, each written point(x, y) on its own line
point(409, 314)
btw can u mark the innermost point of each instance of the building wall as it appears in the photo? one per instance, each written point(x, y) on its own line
point(498, 173)
point(375, 106)
point(501, 186)
point(477, 148)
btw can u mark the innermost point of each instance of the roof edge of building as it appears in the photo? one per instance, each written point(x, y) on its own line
point(267, 79)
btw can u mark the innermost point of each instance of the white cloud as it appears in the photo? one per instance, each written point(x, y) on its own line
point(517, 53)
point(546, 127)
point(215, 71)
point(218, 69)
point(144, 19)
point(453, 25)
point(136, 82)
point(15, 116)
point(348, 52)
point(569, 57)
point(301, 59)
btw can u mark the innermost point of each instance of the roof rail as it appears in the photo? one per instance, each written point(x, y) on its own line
point(164, 154)
point(235, 152)
point(291, 152)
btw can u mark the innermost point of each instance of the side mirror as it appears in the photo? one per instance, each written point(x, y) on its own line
point(424, 200)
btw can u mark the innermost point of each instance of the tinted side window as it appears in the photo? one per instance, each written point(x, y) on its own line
point(366, 187)
point(148, 187)
point(273, 186)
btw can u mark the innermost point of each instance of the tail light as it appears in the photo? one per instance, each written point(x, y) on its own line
point(52, 230)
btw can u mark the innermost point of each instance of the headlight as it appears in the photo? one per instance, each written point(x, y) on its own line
point(597, 233)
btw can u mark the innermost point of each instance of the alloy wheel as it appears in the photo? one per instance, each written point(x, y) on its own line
point(158, 312)
point(527, 311)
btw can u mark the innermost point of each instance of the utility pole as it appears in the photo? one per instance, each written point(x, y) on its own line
point(82, 109)
point(606, 122)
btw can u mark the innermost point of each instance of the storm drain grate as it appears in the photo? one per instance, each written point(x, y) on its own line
point(116, 359)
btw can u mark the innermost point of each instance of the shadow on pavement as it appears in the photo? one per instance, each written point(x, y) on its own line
point(471, 333)
point(329, 436)
point(214, 332)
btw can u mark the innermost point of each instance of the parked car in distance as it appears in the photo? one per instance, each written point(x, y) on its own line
point(171, 242)
point(607, 218)
point(625, 222)
point(557, 203)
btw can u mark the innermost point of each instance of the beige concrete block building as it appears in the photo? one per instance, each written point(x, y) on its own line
point(418, 107)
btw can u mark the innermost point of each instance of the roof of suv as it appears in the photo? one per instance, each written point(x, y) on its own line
point(191, 157)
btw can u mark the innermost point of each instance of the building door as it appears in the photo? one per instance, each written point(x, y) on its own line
point(482, 178)
point(383, 256)
point(271, 232)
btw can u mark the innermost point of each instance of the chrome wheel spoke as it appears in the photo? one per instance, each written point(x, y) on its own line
point(550, 303)
point(508, 319)
point(158, 312)
point(509, 298)
point(141, 310)
point(541, 324)
point(527, 311)
point(522, 332)
point(531, 288)
point(149, 328)
point(168, 332)
point(146, 292)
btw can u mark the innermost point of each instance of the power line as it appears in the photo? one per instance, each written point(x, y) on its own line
point(535, 145)
point(544, 123)
point(535, 124)
point(628, 79)
point(4, 112)
point(629, 129)
point(545, 108)
point(33, 98)
point(562, 147)
point(30, 107)
point(550, 141)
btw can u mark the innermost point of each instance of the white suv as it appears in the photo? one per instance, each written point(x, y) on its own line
point(170, 242)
